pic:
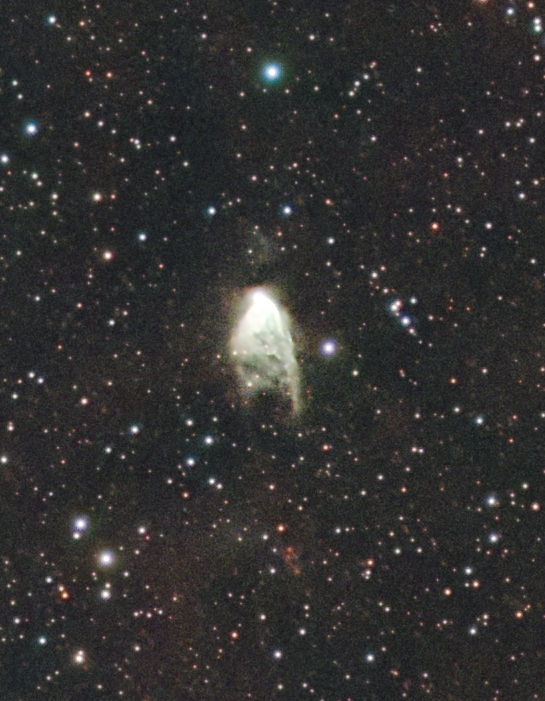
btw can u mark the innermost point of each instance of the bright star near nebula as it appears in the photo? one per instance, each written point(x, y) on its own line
point(329, 348)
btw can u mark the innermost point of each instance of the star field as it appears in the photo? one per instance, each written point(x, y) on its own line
point(375, 167)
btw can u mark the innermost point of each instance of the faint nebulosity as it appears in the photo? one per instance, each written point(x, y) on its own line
point(363, 522)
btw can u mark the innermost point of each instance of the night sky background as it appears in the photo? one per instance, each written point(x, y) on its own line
point(380, 167)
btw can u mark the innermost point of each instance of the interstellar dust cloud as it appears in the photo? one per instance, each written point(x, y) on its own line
point(263, 350)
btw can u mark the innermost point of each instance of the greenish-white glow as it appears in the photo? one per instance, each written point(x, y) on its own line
point(263, 348)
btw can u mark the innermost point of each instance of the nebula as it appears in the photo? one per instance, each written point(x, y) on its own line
point(263, 349)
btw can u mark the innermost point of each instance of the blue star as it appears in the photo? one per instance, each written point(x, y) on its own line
point(272, 72)
point(31, 127)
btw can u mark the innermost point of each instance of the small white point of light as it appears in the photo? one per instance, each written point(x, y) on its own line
point(396, 306)
point(272, 71)
point(80, 524)
point(106, 558)
point(329, 348)
point(31, 128)
point(79, 657)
